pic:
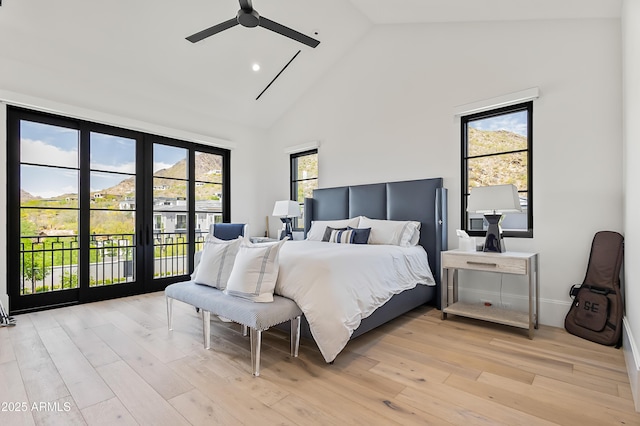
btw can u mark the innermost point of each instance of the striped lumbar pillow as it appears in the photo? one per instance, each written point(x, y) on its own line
point(341, 236)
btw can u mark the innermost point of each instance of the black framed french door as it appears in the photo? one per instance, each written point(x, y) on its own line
point(98, 212)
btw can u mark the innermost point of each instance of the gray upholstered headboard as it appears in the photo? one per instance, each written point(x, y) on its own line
point(422, 200)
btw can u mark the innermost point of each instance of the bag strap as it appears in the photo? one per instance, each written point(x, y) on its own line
point(573, 292)
point(600, 290)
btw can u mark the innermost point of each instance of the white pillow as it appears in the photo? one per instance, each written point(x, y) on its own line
point(392, 232)
point(318, 227)
point(197, 257)
point(255, 271)
point(217, 261)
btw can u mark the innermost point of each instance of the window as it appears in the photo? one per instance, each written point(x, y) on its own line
point(181, 222)
point(304, 179)
point(496, 150)
point(96, 212)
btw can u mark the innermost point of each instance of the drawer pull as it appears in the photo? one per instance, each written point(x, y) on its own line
point(470, 262)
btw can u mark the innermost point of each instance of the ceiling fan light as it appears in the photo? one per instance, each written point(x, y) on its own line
point(255, 67)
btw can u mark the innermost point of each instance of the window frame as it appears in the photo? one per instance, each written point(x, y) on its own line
point(294, 181)
point(464, 167)
point(145, 280)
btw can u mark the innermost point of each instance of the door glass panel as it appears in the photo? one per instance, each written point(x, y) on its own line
point(208, 208)
point(48, 144)
point(169, 161)
point(113, 153)
point(208, 167)
point(112, 191)
point(172, 191)
point(112, 204)
point(48, 208)
point(211, 192)
point(208, 191)
point(112, 255)
point(170, 211)
point(48, 187)
point(48, 250)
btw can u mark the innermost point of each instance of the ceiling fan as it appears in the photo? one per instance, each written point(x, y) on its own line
point(249, 17)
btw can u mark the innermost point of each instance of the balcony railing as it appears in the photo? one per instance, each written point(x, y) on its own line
point(171, 251)
point(50, 263)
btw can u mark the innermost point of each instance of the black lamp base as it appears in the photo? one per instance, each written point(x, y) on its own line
point(494, 241)
point(286, 228)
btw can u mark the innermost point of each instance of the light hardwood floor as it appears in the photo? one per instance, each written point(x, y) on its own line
point(115, 362)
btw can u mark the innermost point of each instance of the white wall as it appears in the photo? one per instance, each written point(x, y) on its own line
point(386, 113)
point(631, 138)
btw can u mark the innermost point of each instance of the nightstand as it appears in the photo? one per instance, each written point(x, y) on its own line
point(504, 263)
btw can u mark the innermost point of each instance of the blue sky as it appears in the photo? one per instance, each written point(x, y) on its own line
point(58, 146)
point(515, 122)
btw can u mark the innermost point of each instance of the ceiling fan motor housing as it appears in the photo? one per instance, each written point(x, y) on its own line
point(248, 18)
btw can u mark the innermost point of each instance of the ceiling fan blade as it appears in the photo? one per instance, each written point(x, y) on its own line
point(287, 32)
point(212, 30)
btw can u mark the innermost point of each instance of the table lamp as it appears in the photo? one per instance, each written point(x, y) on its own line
point(493, 201)
point(286, 209)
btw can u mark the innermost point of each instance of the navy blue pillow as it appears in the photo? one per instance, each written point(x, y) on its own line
point(360, 235)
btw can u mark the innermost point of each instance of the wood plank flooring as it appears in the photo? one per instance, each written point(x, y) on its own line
point(115, 363)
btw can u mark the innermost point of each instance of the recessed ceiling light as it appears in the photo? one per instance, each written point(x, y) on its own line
point(255, 67)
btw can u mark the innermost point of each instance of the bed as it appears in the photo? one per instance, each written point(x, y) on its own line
point(422, 200)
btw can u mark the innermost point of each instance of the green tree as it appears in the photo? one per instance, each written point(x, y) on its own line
point(69, 280)
point(33, 268)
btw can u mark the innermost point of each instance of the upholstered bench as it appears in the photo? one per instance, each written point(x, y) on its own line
point(257, 316)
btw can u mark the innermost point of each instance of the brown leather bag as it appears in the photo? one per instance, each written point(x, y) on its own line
point(597, 309)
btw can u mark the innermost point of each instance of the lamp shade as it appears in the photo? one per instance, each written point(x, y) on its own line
point(496, 198)
point(286, 208)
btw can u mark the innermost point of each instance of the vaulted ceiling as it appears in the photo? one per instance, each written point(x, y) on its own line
point(137, 48)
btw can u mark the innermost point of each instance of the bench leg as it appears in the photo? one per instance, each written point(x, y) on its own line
point(295, 336)
point(206, 328)
point(256, 344)
point(244, 331)
point(170, 313)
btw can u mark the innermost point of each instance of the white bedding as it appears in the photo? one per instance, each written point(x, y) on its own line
point(338, 285)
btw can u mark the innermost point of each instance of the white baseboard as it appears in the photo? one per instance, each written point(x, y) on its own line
point(631, 357)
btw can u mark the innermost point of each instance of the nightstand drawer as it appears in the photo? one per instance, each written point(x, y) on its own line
point(491, 263)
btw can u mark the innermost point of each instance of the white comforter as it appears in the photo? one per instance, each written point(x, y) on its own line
point(338, 285)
